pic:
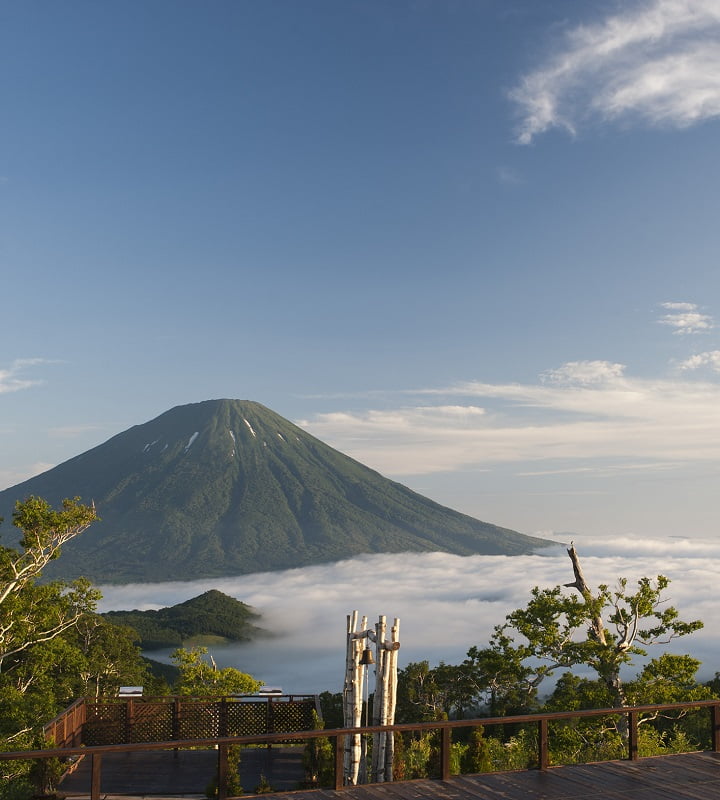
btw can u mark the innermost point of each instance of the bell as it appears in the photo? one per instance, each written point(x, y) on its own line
point(367, 657)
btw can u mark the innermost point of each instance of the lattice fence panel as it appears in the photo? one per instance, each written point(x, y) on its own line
point(198, 720)
point(104, 724)
point(146, 721)
point(247, 719)
point(151, 722)
point(295, 715)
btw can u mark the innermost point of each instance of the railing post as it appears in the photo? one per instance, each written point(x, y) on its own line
point(445, 742)
point(95, 773)
point(633, 754)
point(715, 723)
point(339, 761)
point(543, 759)
point(222, 772)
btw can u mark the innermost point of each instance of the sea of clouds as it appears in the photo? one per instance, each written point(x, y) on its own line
point(445, 603)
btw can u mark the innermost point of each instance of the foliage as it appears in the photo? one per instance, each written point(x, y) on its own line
point(477, 757)
point(111, 657)
point(199, 677)
point(600, 631)
point(45, 773)
point(212, 613)
point(588, 635)
point(417, 754)
point(489, 680)
point(37, 664)
point(53, 647)
point(31, 613)
point(331, 705)
point(318, 758)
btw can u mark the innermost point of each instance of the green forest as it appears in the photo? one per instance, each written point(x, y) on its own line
point(570, 647)
point(212, 614)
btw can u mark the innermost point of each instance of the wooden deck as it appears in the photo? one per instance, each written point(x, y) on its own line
point(693, 776)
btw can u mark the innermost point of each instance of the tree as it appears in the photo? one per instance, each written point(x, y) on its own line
point(497, 680)
point(600, 630)
point(38, 664)
point(201, 677)
point(109, 657)
point(31, 613)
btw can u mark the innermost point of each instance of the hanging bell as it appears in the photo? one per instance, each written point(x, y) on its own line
point(367, 657)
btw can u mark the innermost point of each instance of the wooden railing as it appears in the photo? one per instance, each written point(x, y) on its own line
point(542, 720)
point(66, 729)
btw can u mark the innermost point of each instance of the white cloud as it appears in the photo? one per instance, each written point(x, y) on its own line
point(680, 306)
point(709, 359)
point(686, 319)
point(657, 61)
point(445, 603)
point(11, 378)
point(580, 411)
point(584, 373)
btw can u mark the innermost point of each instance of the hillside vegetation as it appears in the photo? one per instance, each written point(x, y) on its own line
point(211, 614)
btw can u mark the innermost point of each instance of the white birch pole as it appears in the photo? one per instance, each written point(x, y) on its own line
point(391, 696)
point(349, 694)
point(353, 698)
point(378, 754)
point(354, 753)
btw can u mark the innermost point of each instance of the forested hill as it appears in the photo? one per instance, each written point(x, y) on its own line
point(228, 487)
point(211, 614)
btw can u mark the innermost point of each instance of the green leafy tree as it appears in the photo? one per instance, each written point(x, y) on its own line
point(38, 664)
point(602, 630)
point(31, 613)
point(199, 676)
point(109, 657)
point(497, 679)
point(34, 658)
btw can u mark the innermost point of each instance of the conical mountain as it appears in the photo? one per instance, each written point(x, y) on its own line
point(227, 487)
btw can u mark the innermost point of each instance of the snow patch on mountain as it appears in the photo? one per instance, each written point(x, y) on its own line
point(251, 428)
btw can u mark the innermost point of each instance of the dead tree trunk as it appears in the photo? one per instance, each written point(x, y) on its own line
point(609, 657)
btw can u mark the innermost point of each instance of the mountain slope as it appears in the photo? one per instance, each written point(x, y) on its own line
point(228, 487)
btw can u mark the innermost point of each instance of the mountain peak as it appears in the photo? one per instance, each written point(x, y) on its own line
point(227, 487)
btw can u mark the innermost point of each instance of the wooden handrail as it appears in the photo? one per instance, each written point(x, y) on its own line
point(444, 726)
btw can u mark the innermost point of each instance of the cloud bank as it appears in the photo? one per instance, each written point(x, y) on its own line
point(685, 318)
point(582, 410)
point(654, 62)
point(445, 603)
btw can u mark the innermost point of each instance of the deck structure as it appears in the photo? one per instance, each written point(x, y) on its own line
point(691, 776)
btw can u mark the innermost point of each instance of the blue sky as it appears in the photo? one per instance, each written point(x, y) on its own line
point(472, 243)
